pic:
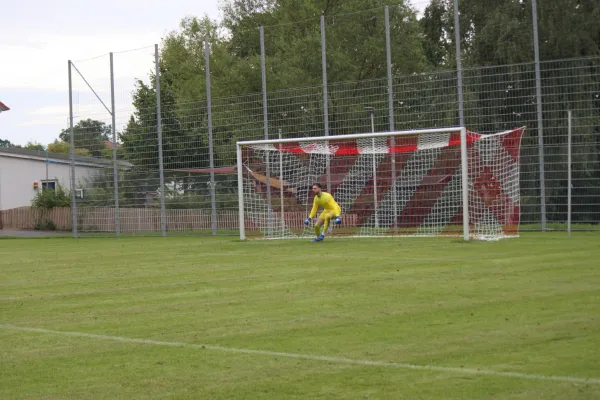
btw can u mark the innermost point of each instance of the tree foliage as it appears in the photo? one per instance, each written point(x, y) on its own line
point(498, 32)
point(89, 134)
point(47, 199)
point(6, 143)
point(33, 145)
point(60, 147)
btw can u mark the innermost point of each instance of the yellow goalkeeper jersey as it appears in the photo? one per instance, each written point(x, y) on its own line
point(327, 203)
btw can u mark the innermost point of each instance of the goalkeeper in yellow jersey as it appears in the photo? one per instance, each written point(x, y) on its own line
point(331, 210)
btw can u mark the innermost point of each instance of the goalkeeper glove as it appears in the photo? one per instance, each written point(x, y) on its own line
point(307, 221)
point(338, 220)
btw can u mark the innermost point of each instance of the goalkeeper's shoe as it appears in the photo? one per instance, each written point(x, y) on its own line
point(338, 220)
point(319, 238)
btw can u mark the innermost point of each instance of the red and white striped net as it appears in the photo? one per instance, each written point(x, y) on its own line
point(408, 185)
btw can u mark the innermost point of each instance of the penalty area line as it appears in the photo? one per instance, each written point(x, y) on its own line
point(311, 357)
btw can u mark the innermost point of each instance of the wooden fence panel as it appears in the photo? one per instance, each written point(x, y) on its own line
point(133, 220)
point(29, 218)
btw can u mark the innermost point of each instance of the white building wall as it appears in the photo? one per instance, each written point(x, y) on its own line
point(18, 174)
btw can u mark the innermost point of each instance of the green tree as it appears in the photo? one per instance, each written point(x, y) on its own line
point(184, 133)
point(436, 42)
point(89, 134)
point(61, 147)
point(6, 143)
point(355, 39)
point(32, 145)
point(498, 32)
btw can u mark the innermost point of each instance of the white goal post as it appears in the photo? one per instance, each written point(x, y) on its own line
point(428, 182)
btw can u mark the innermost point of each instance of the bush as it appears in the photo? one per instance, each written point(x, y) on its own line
point(45, 225)
point(48, 199)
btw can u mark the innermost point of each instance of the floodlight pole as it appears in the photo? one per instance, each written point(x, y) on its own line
point(371, 111)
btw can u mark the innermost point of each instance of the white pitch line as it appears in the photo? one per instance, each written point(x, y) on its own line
point(337, 360)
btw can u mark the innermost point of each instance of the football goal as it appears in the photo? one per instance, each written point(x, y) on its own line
point(433, 182)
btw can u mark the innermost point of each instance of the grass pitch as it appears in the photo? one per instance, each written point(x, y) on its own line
point(527, 306)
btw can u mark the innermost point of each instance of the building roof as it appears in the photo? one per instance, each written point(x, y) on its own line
point(109, 144)
point(3, 107)
point(60, 158)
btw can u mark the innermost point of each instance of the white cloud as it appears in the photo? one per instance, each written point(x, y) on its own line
point(47, 115)
point(420, 6)
point(44, 121)
point(42, 60)
point(51, 110)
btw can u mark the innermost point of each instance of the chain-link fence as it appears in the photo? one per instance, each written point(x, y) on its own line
point(178, 175)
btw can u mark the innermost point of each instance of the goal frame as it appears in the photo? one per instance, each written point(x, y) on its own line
point(463, 163)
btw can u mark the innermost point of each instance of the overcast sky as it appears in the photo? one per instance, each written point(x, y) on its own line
point(39, 37)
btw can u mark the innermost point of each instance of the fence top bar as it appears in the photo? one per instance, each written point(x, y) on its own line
point(352, 136)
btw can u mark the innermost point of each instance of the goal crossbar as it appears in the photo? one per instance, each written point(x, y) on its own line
point(352, 136)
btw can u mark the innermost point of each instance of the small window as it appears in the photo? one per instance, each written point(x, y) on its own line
point(51, 185)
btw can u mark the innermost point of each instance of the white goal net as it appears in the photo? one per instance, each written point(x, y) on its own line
point(440, 182)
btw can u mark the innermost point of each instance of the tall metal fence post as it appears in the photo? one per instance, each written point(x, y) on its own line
point(114, 144)
point(569, 170)
point(461, 105)
point(213, 201)
point(461, 112)
point(325, 95)
point(72, 158)
point(266, 125)
point(538, 93)
point(161, 171)
point(388, 53)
